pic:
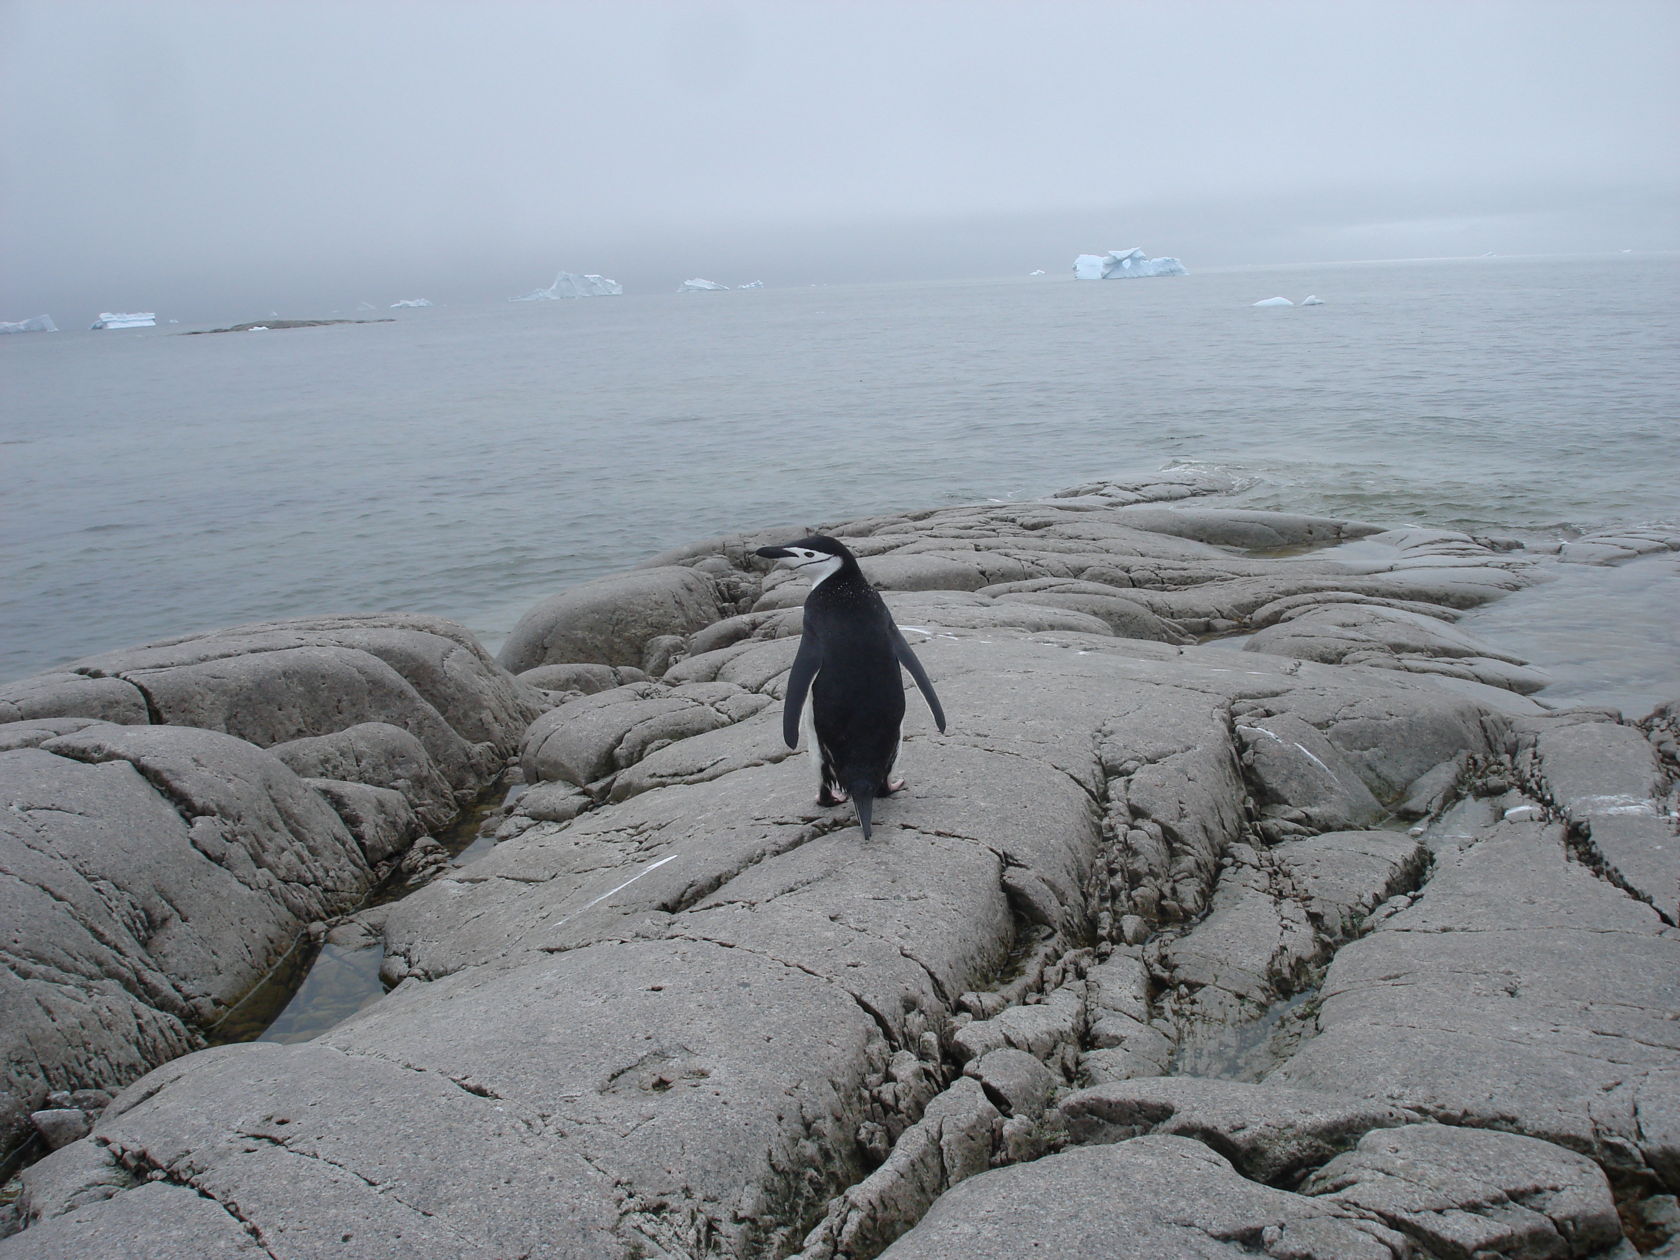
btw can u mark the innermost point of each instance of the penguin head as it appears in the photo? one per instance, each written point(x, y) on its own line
point(817, 557)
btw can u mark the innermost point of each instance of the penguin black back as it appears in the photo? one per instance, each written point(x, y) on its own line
point(849, 656)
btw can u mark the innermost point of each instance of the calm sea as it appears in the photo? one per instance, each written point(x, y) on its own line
point(469, 460)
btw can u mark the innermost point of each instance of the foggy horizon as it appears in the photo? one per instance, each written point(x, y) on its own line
point(214, 162)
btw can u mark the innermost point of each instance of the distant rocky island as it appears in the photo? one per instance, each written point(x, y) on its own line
point(1248, 907)
point(265, 325)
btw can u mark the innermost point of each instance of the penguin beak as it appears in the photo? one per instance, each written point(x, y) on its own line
point(774, 553)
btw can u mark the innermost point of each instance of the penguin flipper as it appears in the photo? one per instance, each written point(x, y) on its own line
point(805, 664)
point(907, 658)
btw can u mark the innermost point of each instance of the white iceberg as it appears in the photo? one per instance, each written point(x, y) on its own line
point(130, 319)
point(752, 284)
point(412, 302)
point(699, 286)
point(569, 284)
point(1312, 299)
point(1124, 264)
point(37, 323)
point(1277, 301)
point(1040, 271)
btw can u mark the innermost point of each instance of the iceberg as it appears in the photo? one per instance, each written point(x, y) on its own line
point(699, 286)
point(38, 323)
point(1040, 271)
point(571, 285)
point(131, 319)
point(412, 302)
point(752, 284)
point(1277, 301)
point(1124, 264)
point(1312, 299)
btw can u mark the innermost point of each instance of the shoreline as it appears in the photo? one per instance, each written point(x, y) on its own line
point(1225, 798)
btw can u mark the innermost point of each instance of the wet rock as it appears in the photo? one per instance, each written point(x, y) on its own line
point(610, 621)
point(1392, 638)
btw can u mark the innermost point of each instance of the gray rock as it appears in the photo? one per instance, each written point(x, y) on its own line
point(611, 620)
point(154, 875)
point(599, 735)
point(1148, 1198)
point(1018, 1083)
point(952, 1142)
point(33, 732)
point(1270, 1133)
point(1276, 917)
point(276, 682)
point(157, 1220)
point(1606, 778)
point(684, 1011)
point(1298, 771)
point(382, 820)
point(1467, 1192)
point(1246, 528)
point(580, 676)
point(59, 1126)
point(381, 756)
point(1517, 991)
point(1391, 638)
point(69, 694)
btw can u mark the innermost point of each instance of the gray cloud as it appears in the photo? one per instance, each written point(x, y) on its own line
point(238, 157)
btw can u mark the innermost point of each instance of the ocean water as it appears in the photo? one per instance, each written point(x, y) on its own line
point(469, 460)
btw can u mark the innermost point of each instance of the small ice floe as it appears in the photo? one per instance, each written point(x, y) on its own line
point(411, 302)
point(698, 285)
point(1312, 299)
point(1275, 301)
point(752, 284)
point(129, 319)
point(1039, 272)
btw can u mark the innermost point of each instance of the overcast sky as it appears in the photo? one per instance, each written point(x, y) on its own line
point(248, 154)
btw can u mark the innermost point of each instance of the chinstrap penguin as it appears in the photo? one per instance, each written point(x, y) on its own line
point(848, 660)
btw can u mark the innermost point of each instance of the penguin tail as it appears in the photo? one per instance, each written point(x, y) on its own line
point(863, 796)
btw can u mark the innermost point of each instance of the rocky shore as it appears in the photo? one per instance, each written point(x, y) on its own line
point(1248, 907)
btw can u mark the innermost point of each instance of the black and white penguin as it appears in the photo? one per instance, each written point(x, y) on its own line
point(849, 657)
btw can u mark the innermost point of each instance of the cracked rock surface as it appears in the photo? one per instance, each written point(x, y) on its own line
point(180, 813)
point(1148, 960)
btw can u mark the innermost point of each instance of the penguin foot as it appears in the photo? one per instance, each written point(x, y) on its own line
point(829, 799)
point(893, 785)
